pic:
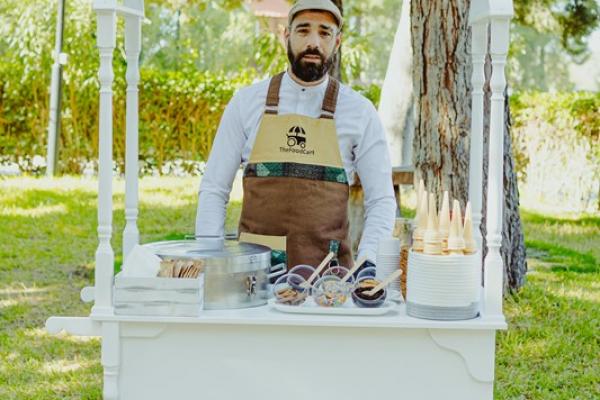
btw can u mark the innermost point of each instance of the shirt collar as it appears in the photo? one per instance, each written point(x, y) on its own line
point(320, 88)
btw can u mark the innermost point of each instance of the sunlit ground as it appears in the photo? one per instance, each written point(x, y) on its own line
point(47, 244)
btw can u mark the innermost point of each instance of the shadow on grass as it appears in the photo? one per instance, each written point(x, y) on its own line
point(34, 198)
point(46, 367)
point(581, 221)
point(562, 258)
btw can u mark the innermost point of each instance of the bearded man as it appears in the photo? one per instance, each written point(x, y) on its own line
point(302, 139)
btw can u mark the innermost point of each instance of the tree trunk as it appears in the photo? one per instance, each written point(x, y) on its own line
point(442, 88)
point(336, 68)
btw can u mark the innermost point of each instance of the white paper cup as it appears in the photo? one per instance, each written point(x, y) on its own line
point(389, 246)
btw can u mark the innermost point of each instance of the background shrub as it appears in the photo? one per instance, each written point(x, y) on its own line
point(556, 139)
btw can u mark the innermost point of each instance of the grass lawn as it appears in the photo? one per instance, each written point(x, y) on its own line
point(47, 244)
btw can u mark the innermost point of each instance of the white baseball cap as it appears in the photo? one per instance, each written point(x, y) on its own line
point(322, 5)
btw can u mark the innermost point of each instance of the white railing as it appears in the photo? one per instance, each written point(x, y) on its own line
point(133, 46)
point(107, 12)
point(493, 17)
point(478, 53)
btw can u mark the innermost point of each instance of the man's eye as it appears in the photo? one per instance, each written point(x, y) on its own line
point(302, 31)
point(326, 34)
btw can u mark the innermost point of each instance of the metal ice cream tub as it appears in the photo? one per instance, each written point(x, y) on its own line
point(235, 274)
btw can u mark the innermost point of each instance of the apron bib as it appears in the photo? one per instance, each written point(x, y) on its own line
point(295, 185)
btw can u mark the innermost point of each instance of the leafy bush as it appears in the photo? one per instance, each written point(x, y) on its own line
point(179, 115)
point(179, 110)
point(556, 140)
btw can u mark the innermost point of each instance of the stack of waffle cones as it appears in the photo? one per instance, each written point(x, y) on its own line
point(443, 233)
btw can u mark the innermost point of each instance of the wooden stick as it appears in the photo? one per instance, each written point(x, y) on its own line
point(357, 265)
point(318, 270)
point(385, 282)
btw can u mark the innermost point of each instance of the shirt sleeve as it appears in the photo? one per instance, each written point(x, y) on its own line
point(223, 163)
point(374, 169)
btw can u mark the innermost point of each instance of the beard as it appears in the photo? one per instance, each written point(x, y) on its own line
point(309, 71)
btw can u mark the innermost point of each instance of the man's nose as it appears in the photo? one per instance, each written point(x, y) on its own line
point(312, 42)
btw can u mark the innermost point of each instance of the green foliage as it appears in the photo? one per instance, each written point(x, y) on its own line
point(26, 45)
point(537, 61)
point(572, 20)
point(210, 37)
point(180, 113)
point(572, 116)
point(270, 56)
point(547, 36)
point(368, 36)
point(556, 140)
point(371, 92)
point(578, 110)
point(179, 108)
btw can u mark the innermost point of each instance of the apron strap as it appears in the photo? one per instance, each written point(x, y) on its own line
point(272, 106)
point(330, 98)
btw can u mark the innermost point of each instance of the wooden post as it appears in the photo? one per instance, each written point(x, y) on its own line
point(494, 270)
point(133, 38)
point(479, 40)
point(106, 38)
point(55, 92)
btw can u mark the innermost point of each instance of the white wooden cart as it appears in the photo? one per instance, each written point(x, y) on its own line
point(260, 353)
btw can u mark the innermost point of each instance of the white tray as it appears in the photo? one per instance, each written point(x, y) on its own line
point(310, 307)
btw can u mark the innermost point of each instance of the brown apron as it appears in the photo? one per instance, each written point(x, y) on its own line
point(295, 186)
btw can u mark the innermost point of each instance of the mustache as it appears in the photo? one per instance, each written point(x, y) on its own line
point(311, 52)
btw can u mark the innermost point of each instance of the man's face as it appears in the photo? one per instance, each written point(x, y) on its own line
point(312, 41)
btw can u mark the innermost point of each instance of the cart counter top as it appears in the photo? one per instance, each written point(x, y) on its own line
point(265, 315)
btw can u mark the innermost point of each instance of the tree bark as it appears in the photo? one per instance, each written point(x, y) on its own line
point(442, 88)
point(336, 68)
point(441, 78)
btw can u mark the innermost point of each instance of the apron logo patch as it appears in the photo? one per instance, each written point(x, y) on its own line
point(296, 136)
point(296, 141)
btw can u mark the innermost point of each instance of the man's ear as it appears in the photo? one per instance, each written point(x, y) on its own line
point(286, 33)
point(338, 41)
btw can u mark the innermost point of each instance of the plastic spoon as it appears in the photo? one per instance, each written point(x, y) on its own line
point(318, 270)
point(357, 265)
point(383, 284)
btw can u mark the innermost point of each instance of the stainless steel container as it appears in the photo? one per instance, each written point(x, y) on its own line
point(235, 274)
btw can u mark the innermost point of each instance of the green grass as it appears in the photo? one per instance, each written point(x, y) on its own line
point(47, 244)
point(551, 348)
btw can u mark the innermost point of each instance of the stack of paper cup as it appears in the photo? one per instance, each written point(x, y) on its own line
point(388, 261)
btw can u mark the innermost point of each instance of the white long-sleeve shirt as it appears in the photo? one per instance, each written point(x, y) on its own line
point(361, 138)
